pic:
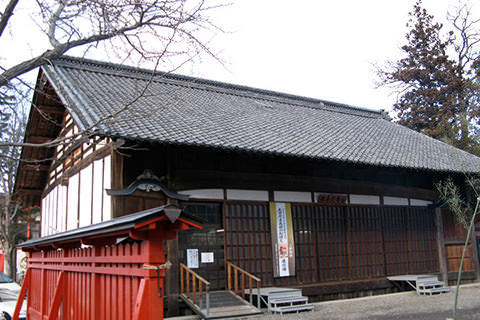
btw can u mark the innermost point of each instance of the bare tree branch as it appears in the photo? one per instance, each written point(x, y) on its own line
point(6, 15)
point(149, 27)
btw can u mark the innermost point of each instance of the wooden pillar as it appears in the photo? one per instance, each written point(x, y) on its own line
point(442, 257)
point(117, 182)
point(474, 251)
point(171, 281)
point(172, 287)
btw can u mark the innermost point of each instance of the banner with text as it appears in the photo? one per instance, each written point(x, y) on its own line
point(283, 245)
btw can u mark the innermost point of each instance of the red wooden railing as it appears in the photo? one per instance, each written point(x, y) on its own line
point(101, 282)
point(89, 276)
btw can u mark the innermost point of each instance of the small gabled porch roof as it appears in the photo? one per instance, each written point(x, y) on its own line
point(126, 226)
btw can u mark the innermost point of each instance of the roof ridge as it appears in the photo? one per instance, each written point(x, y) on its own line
point(269, 95)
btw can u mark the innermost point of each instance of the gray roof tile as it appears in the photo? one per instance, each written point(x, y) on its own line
point(185, 110)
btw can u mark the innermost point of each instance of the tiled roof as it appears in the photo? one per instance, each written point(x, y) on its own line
point(184, 110)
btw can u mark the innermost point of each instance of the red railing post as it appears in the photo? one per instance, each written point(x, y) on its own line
point(95, 286)
point(43, 290)
point(21, 296)
point(58, 296)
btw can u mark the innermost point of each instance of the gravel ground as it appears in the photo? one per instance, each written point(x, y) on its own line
point(405, 305)
point(397, 306)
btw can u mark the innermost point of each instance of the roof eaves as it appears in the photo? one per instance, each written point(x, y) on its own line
point(69, 96)
point(287, 154)
point(113, 226)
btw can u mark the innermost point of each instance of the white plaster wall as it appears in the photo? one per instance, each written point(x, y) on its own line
point(204, 193)
point(252, 195)
point(62, 208)
point(85, 218)
point(43, 216)
point(420, 203)
point(72, 205)
point(53, 211)
point(51, 224)
point(97, 185)
point(395, 201)
point(364, 199)
point(292, 196)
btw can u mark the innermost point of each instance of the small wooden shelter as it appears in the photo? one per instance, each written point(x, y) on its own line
point(111, 270)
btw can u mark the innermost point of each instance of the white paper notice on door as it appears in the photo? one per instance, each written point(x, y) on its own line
point(192, 258)
point(207, 257)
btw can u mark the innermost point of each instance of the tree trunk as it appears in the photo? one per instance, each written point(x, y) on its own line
point(10, 260)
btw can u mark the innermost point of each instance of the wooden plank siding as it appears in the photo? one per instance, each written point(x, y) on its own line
point(335, 243)
point(455, 233)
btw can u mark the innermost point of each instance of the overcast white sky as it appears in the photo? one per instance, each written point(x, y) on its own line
point(320, 49)
point(315, 48)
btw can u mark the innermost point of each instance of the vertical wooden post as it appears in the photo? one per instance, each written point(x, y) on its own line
point(117, 182)
point(442, 257)
point(95, 283)
point(474, 251)
point(171, 281)
point(43, 289)
point(26, 285)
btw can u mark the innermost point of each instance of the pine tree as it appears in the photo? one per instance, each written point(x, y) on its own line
point(436, 94)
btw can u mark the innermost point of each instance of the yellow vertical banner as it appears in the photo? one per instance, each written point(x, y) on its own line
point(283, 245)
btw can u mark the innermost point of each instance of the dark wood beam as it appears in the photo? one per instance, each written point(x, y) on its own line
point(36, 167)
point(38, 139)
point(51, 109)
point(29, 191)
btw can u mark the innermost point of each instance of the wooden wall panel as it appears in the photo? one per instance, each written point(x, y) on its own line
point(454, 255)
point(421, 240)
point(330, 227)
point(395, 240)
point(247, 238)
point(335, 243)
point(365, 242)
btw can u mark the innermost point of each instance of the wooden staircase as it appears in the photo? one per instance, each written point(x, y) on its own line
point(195, 292)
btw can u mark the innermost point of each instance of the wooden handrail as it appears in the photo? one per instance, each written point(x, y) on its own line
point(243, 273)
point(190, 292)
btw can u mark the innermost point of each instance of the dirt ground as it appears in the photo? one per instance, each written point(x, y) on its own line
point(405, 305)
point(398, 306)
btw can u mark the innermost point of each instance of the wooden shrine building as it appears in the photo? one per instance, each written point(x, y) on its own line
point(299, 192)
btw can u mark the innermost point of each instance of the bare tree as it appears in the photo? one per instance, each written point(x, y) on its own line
point(142, 28)
point(168, 31)
point(13, 217)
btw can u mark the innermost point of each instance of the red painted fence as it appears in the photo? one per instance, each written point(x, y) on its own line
point(101, 280)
